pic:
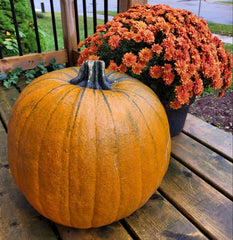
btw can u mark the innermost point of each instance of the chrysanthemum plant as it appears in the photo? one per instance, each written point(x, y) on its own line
point(169, 49)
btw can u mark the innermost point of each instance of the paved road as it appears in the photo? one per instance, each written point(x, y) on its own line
point(210, 10)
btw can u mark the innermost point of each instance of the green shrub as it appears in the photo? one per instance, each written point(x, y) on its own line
point(24, 17)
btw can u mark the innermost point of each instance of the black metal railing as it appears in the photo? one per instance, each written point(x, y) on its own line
point(35, 25)
point(37, 36)
point(16, 27)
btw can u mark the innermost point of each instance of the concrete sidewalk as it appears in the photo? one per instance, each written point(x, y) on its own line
point(225, 39)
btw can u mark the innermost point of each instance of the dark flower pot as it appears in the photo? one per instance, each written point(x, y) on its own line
point(177, 117)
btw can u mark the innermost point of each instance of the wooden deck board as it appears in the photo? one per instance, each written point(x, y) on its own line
point(203, 205)
point(159, 219)
point(7, 100)
point(3, 150)
point(18, 220)
point(209, 135)
point(113, 231)
point(213, 167)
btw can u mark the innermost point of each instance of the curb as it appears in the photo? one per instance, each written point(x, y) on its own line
point(224, 39)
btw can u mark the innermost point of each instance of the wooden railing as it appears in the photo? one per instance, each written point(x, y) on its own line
point(67, 55)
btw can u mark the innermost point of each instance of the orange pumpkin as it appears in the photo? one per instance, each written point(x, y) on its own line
point(88, 150)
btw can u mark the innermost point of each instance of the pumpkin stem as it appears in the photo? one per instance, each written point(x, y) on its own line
point(92, 75)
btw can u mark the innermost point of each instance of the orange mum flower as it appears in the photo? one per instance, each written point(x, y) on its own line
point(168, 75)
point(80, 60)
point(138, 37)
point(175, 104)
point(221, 93)
point(108, 34)
point(182, 95)
point(112, 66)
point(114, 41)
point(121, 31)
point(138, 25)
point(93, 50)
point(167, 67)
point(189, 87)
point(93, 57)
point(101, 28)
point(180, 67)
point(145, 55)
point(149, 19)
point(227, 79)
point(85, 53)
point(129, 59)
point(198, 85)
point(157, 49)
point(169, 53)
point(168, 78)
point(168, 43)
point(80, 44)
point(122, 68)
point(128, 35)
point(137, 68)
point(156, 71)
point(148, 36)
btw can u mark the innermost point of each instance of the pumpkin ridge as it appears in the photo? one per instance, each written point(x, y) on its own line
point(80, 97)
point(115, 76)
point(154, 140)
point(62, 72)
point(137, 135)
point(93, 213)
point(49, 78)
point(20, 135)
point(45, 130)
point(75, 70)
point(44, 78)
point(115, 158)
point(138, 95)
point(68, 132)
point(39, 81)
point(148, 128)
point(135, 104)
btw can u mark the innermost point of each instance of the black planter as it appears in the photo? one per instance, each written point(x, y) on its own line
point(177, 117)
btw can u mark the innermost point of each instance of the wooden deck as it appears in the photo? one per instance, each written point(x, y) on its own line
point(194, 200)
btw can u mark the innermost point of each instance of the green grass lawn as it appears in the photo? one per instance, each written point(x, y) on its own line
point(45, 23)
point(229, 47)
point(223, 29)
point(226, 2)
point(110, 13)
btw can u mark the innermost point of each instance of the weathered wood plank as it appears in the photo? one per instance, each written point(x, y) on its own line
point(69, 30)
point(18, 220)
point(213, 137)
point(209, 165)
point(30, 61)
point(198, 201)
point(3, 150)
point(124, 5)
point(7, 100)
point(158, 219)
point(113, 231)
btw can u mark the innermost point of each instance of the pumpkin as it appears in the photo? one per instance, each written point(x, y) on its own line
point(86, 146)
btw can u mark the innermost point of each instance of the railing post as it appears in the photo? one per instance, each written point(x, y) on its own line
point(69, 30)
point(124, 5)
